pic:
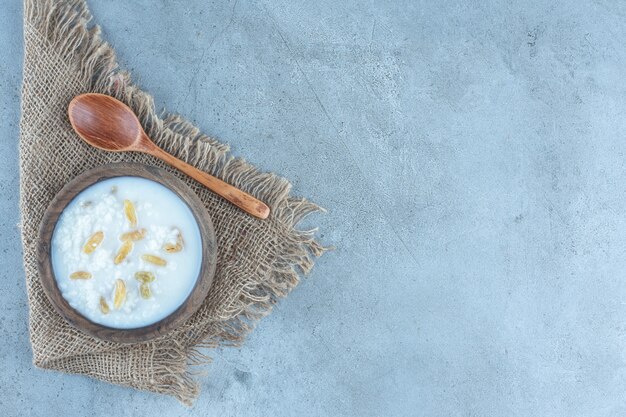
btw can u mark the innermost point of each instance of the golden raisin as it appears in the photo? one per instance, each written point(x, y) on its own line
point(125, 249)
point(153, 259)
point(104, 307)
point(131, 215)
point(144, 290)
point(120, 294)
point(93, 242)
point(80, 275)
point(175, 247)
point(172, 247)
point(134, 235)
point(144, 276)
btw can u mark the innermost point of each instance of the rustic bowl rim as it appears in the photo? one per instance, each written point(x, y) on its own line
point(203, 282)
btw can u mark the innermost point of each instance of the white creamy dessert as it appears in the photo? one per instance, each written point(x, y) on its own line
point(126, 252)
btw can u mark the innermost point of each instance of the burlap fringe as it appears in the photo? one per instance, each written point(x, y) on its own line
point(65, 26)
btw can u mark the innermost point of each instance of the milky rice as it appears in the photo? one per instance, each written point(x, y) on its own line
point(126, 252)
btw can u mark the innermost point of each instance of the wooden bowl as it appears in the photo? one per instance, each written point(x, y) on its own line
point(203, 282)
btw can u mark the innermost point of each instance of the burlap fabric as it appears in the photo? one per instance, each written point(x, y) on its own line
point(258, 261)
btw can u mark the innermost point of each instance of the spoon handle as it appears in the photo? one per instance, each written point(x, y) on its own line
point(239, 198)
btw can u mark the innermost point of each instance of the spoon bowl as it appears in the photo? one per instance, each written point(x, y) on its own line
point(108, 124)
point(105, 122)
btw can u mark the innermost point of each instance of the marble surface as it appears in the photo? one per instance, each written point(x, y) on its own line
point(471, 158)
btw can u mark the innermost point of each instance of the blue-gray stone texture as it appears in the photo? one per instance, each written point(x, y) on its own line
point(471, 156)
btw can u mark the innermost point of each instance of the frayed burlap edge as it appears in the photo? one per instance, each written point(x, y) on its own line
point(64, 25)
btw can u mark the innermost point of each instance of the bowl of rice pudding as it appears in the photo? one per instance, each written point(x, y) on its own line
point(127, 252)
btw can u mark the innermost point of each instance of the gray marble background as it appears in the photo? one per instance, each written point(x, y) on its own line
point(472, 159)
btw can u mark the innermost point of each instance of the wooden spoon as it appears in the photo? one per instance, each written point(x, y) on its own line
point(108, 124)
